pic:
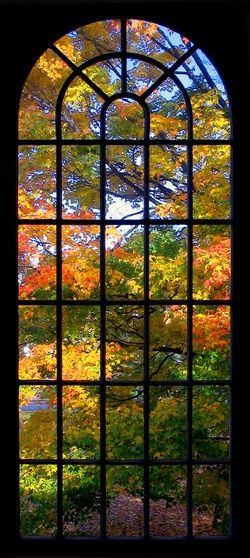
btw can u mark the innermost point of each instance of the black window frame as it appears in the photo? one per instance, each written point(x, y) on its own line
point(55, 20)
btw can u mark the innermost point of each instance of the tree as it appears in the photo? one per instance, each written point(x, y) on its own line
point(169, 181)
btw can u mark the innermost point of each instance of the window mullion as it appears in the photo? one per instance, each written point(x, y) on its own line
point(103, 326)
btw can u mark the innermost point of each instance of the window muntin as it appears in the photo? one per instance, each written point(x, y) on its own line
point(141, 309)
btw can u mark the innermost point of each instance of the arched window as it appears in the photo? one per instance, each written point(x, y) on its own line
point(124, 303)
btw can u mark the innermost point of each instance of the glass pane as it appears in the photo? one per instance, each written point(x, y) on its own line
point(39, 97)
point(124, 182)
point(124, 420)
point(38, 500)
point(211, 500)
point(106, 75)
point(81, 500)
point(141, 75)
point(124, 343)
point(211, 406)
point(81, 111)
point(124, 261)
point(81, 261)
point(168, 507)
point(168, 115)
point(36, 182)
point(168, 182)
point(210, 105)
point(161, 43)
point(211, 266)
point(167, 424)
point(91, 40)
point(168, 343)
point(81, 182)
point(81, 422)
point(168, 261)
point(37, 261)
point(124, 120)
point(211, 342)
point(124, 499)
point(81, 342)
point(211, 180)
point(37, 342)
point(37, 414)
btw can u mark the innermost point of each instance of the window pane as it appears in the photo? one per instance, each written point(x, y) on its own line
point(167, 426)
point(81, 422)
point(37, 109)
point(81, 111)
point(36, 182)
point(168, 261)
point(168, 507)
point(124, 261)
point(81, 342)
point(106, 75)
point(124, 182)
point(124, 498)
point(211, 266)
point(157, 41)
point(91, 40)
point(211, 342)
point(37, 414)
point(124, 343)
point(124, 120)
point(211, 181)
point(168, 343)
point(81, 500)
point(37, 342)
point(168, 116)
point(211, 405)
point(38, 494)
point(211, 500)
point(37, 262)
point(124, 419)
point(81, 261)
point(141, 75)
point(168, 182)
point(81, 182)
point(210, 106)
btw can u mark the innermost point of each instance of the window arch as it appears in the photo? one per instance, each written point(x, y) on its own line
point(124, 287)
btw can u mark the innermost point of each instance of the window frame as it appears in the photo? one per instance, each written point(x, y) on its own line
point(177, 21)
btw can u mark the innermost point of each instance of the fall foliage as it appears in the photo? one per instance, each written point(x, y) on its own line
point(121, 291)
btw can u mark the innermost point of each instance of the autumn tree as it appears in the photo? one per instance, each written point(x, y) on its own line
point(170, 190)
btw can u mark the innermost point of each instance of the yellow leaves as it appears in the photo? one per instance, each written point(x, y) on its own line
point(53, 66)
point(39, 361)
point(81, 361)
point(167, 274)
point(170, 126)
point(209, 120)
point(115, 278)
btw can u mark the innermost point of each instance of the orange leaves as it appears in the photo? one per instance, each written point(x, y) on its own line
point(211, 328)
point(212, 267)
point(142, 27)
point(43, 278)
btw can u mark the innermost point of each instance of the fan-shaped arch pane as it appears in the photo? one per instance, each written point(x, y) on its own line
point(37, 109)
point(91, 40)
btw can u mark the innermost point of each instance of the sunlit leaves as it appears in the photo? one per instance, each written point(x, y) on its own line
point(38, 100)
